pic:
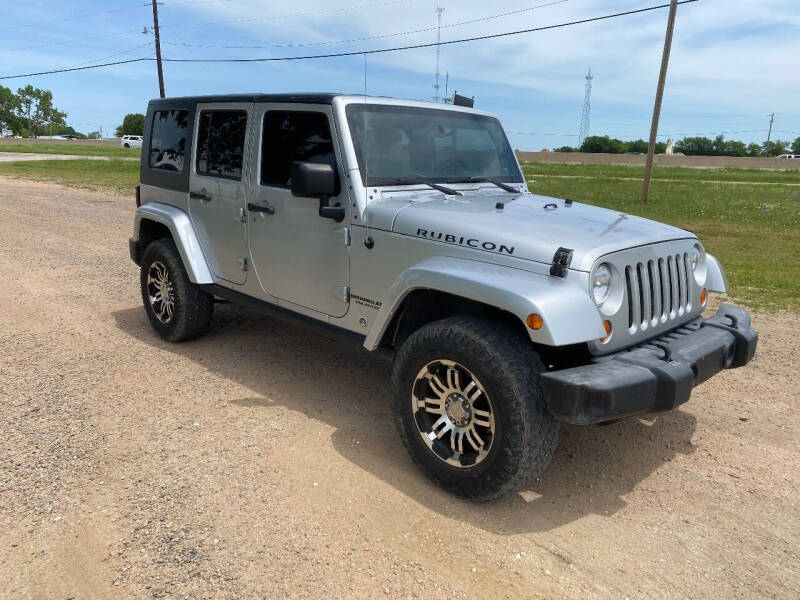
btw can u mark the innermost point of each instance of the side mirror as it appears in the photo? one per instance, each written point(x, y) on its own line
point(317, 180)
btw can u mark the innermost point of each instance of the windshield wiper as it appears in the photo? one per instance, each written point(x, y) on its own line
point(499, 184)
point(435, 186)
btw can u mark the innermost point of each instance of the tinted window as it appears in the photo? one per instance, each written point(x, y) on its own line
point(293, 136)
point(168, 139)
point(220, 143)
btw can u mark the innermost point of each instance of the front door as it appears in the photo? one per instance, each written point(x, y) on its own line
point(297, 255)
point(217, 187)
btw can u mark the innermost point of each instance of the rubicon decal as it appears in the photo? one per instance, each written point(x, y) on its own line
point(449, 238)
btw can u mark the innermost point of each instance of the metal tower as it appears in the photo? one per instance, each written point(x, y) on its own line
point(587, 109)
point(439, 11)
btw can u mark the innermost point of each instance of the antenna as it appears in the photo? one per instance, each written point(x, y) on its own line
point(439, 11)
point(446, 86)
point(587, 108)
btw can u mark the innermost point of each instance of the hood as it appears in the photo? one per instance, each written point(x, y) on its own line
point(528, 226)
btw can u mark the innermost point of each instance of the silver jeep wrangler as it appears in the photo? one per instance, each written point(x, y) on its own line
point(408, 228)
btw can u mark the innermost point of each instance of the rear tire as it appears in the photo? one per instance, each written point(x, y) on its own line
point(465, 380)
point(177, 309)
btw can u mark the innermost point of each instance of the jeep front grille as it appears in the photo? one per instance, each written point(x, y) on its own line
point(658, 291)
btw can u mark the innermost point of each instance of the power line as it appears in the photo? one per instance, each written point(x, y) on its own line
point(358, 52)
point(88, 62)
point(376, 37)
point(429, 44)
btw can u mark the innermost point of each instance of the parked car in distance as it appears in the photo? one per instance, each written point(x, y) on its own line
point(408, 228)
point(789, 156)
point(131, 141)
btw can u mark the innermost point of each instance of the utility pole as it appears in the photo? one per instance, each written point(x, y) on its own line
point(158, 50)
point(651, 148)
point(769, 134)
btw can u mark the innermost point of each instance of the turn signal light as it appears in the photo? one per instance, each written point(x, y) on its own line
point(607, 327)
point(534, 321)
point(703, 297)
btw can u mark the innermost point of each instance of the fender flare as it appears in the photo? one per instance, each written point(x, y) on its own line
point(569, 315)
point(716, 280)
point(183, 234)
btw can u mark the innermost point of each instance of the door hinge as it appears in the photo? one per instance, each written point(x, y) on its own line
point(342, 292)
point(242, 216)
point(243, 263)
point(346, 236)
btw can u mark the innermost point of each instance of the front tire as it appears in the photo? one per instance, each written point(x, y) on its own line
point(177, 309)
point(469, 407)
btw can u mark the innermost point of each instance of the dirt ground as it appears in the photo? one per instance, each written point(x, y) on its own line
point(261, 461)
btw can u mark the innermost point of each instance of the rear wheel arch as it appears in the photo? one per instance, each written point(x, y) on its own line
point(149, 231)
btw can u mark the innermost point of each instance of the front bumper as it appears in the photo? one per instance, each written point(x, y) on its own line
point(656, 376)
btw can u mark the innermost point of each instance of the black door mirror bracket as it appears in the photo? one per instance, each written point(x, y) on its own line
point(318, 180)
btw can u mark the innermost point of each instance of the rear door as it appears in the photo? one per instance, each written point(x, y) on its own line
point(217, 187)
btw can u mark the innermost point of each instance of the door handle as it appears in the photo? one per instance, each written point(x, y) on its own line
point(261, 209)
point(200, 196)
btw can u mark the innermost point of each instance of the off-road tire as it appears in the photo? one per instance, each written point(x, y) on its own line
point(192, 306)
point(508, 367)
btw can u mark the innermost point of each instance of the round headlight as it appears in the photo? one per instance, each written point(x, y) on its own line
point(601, 283)
point(697, 260)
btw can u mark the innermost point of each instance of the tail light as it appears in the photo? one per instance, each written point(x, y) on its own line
point(138, 196)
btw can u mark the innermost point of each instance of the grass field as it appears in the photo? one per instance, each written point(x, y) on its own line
point(67, 147)
point(749, 219)
point(118, 175)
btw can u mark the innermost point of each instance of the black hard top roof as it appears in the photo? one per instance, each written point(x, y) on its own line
point(305, 98)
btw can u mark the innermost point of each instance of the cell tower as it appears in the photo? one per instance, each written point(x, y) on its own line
point(587, 108)
point(439, 11)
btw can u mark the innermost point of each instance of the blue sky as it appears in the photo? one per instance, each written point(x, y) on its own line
point(733, 61)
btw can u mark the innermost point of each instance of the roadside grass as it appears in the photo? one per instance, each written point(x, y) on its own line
point(120, 176)
point(66, 147)
point(662, 172)
point(753, 228)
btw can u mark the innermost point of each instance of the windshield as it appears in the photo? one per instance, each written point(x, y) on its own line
point(406, 143)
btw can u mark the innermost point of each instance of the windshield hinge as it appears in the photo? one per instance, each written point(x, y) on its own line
point(561, 261)
point(342, 292)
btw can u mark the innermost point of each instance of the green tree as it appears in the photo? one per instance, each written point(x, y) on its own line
point(132, 124)
point(636, 146)
point(8, 105)
point(753, 149)
point(695, 146)
point(596, 143)
point(775, 147)
point(567, 149)
point(35, 109)
point(796, 146)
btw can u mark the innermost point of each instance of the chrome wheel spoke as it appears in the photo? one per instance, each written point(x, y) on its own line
point(474, 439)
point(438, 388)
point(483, 418)
point(433, 405)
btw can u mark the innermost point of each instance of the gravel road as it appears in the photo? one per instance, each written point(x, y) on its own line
point(261, 461)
